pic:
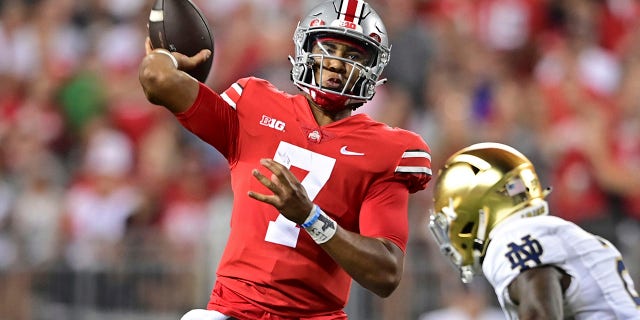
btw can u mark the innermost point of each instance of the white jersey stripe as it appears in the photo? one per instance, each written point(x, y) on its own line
point(408, 169)
point(238, 88)
point(416, 154)
point(231, 100)
point(228, 100)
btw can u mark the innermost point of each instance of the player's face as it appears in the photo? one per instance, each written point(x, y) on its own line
point(336, 73)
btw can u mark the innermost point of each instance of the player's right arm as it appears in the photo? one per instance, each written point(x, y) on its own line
point(199, 109)
point(163, 81)
point(538, 293)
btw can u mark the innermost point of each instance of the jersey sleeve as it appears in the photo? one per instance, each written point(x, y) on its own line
point(384, 213)
point(214, 120)
point(414, 166)
point(519, 249)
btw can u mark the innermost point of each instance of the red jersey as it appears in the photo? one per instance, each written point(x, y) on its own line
point(359, 171)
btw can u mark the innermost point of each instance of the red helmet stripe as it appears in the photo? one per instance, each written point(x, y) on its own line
point(351, 10)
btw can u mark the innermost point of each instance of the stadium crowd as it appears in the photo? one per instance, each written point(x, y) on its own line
point(89, 175)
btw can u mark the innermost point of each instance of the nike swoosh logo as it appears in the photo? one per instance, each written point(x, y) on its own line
point(346, 152)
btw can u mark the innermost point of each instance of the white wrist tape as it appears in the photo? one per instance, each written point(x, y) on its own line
point(319, 225)
point(167, 53)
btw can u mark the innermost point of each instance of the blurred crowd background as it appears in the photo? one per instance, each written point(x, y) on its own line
point(110, 210)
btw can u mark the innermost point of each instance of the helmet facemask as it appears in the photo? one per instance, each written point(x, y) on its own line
point(440, 226)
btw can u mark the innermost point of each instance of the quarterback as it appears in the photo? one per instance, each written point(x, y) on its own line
point(320, 195)
point(490, 215)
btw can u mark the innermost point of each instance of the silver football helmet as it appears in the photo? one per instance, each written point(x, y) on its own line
point(350, 20)
point(478, 188)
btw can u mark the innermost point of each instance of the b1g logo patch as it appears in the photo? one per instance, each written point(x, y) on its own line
point(272, 123)
point(525, 255)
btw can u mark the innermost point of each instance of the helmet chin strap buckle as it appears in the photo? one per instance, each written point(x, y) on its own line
point(381, 82)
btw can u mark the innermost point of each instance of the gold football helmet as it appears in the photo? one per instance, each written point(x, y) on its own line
point(479, 187)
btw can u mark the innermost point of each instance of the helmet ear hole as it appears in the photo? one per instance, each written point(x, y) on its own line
point(357, 87)
point(466, 230)
point(308, 76)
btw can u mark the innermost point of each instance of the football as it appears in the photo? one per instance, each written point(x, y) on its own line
point(180, 26)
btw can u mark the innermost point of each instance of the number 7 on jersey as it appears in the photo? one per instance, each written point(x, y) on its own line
point(284, 231)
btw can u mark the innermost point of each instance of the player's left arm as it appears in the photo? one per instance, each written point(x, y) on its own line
point(538, 292)
point(375, 257)
point(376, 263)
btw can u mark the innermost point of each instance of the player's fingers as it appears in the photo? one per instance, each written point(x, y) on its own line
point(203, 55)
point(269, 183)
point(189, 63)
point(147, 45)
point(272, 200)
point(283, 174)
